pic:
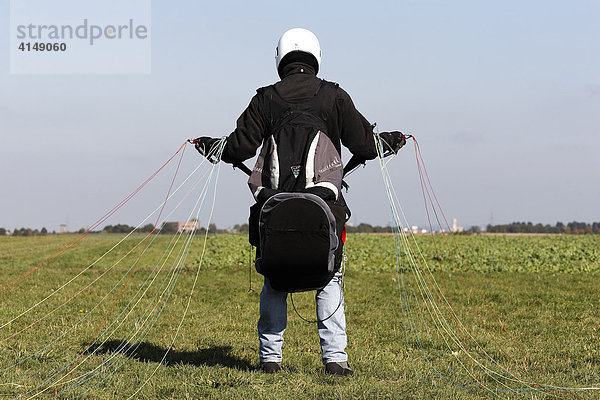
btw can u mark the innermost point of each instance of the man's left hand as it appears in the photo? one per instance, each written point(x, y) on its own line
point(392, 142)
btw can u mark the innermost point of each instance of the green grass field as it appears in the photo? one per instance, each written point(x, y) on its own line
point(545, 290)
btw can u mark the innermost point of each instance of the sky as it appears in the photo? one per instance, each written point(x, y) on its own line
point(504, 98)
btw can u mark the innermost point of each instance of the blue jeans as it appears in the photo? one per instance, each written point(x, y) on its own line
point(273, 321)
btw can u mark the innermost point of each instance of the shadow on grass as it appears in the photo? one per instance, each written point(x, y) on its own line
point(147, 352)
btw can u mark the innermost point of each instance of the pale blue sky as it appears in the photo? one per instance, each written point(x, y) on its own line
point(504, 98)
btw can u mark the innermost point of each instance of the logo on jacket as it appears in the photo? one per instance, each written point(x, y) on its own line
point(335, 163)
point(296, 170)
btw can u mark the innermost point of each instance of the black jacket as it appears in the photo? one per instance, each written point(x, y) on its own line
point(345, 124)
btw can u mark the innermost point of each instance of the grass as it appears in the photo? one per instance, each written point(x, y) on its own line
point(545, 290)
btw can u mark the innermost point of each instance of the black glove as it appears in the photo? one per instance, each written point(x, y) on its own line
point(207, 146)
point(392, 142)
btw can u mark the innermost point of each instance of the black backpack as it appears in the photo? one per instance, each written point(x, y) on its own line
point(297, 233)
point(298, 240)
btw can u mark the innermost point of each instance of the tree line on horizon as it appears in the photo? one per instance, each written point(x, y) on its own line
point(571, 228)
point(167, 228)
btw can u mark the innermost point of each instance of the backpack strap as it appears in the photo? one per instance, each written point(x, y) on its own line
point(276, 106)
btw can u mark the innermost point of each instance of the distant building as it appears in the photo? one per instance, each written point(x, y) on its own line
point(180, 227)
point(63, 228)
point(456, 228)
point(188, 226)
point(415, 230)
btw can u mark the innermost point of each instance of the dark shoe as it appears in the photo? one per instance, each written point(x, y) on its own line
point(270, 367)
point(338, 369)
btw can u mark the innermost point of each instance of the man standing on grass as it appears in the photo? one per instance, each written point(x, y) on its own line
point(298, 58)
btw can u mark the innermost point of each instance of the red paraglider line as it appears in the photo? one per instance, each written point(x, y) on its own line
point(90, 284)
point(69, 245)
point(424, 185)
point(126, 281)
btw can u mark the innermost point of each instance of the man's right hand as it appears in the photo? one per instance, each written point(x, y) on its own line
point(207, 146)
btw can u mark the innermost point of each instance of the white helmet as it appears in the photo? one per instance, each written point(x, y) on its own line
point(298, 39)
